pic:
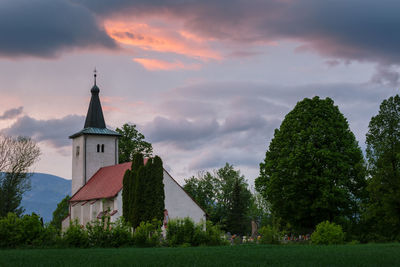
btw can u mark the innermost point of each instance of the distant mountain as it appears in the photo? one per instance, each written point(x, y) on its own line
point(47, 191)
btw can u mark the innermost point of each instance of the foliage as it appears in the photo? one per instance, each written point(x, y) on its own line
point(236, 218)
point(382, 215)
point(129, 187)
point(147, 234)
point(259, 209)
point(121, 233)
point(327, 233)
point(184, 232)
point(60, 212)
point(314, 169)
point(75, 236)
point(17, 155)
point(269, 235)
point(25, 231)
point(132, 142)
point(99, 232)
point(214, 193)
point(143, 191)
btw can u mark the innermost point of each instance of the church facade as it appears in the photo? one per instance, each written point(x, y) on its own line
point(97, 177)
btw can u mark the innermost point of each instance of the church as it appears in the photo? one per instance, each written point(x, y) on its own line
point(97, 176)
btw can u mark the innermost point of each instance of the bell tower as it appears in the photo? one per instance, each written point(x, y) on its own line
point(94, 146)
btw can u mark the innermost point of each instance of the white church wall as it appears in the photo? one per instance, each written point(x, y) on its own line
point(178, 203)
point(85, 208)
point(117, 206)
point(76, 212)
point(78, 154)
point(95, 209)
point(95, 160)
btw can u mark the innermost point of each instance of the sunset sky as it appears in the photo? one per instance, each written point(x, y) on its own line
point(207, 82)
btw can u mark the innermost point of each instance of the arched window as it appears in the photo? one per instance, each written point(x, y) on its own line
point(102, 148)
point(77, 151)
point(98, 147)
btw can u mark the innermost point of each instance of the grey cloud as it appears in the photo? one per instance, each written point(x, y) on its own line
point(182, 130)
point(386, 75)
point(363, 30)
point(44, 28)
point(244, 116)
point(53, 131)
point(11, 113)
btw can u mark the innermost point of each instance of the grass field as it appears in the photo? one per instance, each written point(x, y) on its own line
point(243, 255)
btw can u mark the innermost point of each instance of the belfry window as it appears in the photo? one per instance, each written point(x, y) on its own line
point(102, 148)
point(98, 147)
point(77, 151)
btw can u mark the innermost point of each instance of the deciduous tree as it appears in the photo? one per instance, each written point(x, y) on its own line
point(214, 193)
point(131, 142)
point(17, 155)
point(383, 154)
point(60, 212)
point(314, 169)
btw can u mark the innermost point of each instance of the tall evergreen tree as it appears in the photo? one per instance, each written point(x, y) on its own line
point(126, 195)
point(159, 203)
point(314, 169)
point(237, 222)
point(383, 154)
point(138, 209)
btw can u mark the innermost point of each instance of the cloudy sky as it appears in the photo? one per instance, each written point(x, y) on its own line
point(207, 82)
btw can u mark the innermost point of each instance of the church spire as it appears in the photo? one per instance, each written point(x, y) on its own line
point(94, 117)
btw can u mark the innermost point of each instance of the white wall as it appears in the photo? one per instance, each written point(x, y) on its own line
point(78, 164)
point(93, 160)
point(117, 206)
point(178, 203)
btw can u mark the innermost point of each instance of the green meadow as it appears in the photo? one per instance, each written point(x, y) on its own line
point(241, 255)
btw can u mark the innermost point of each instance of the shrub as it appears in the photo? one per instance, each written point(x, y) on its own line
point(49, 237)
point(214, 235)
point(11, 231)
point(99, 233)
point(25, 231)
point(121, 233)
point(184, 231)
point(269, 235)
point(75, 235)
point(147, 234)
point(180, 231)
point(327, 233)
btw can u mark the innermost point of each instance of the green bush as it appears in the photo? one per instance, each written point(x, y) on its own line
point(147, 234)
point(75, 236)
point(99, 233)
point(25, 231)
point(181, 232)
point(269, 235)
point(327, 233)
point(11, 231)
point(121, 233)
point(214, 235)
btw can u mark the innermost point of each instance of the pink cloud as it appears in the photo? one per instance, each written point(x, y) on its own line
point(161, 39)
point(155, 64)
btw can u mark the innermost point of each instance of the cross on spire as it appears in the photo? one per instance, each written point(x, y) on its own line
point(95, 75)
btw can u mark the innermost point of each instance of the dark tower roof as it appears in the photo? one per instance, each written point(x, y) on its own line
point(94, 117)
point(94, 123)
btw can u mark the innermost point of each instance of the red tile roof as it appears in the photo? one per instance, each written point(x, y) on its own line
point(105, 183)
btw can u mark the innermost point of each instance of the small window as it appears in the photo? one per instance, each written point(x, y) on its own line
point(77, 151)
point(102, 148)
point(98, 147)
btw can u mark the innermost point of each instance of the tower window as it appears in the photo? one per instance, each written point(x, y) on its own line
point(77, 151)
point(102, 148)
point(98, 147)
